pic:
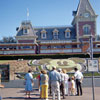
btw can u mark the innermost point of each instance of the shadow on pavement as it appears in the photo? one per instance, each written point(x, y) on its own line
point(19, 98)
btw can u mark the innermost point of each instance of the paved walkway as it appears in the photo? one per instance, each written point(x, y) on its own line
point(19, 94)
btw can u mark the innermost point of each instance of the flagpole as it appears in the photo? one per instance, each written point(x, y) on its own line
point(27, 14)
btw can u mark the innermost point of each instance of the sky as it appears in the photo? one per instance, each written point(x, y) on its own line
point(41, 13)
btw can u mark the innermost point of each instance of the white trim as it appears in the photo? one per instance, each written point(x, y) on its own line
point(55, 31)
point(43, 31)
point(79, 7)
point(56, 41)
point(66, 32)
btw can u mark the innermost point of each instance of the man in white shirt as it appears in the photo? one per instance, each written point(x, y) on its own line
point(78, 77)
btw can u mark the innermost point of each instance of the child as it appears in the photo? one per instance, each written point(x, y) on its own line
point(69, 86)
point(73, 86)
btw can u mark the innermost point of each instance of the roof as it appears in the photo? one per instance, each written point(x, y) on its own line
point(61, 32)
point(83, 6)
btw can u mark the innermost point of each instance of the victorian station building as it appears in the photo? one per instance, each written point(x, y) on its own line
point(73, 39)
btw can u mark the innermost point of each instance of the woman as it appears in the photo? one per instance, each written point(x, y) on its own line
point(44, 85)
point(39, 82)
point(28, 83)
point(66, 77)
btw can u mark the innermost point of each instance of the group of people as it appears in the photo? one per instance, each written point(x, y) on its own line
point(58, 82)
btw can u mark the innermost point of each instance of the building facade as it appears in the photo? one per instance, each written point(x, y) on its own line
point(60, 39)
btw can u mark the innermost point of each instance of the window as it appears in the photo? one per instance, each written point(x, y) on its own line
point(43, 35)
point(67, 33)
point(25, 31)
point(43, 47)
point(55, 34)
point(26, 47)
point(49, 47)
point(86, 29)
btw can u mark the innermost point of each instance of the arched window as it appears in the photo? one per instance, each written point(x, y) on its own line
point(86, 29)
point(43, 34)
point(67, 33)
point(55, 34)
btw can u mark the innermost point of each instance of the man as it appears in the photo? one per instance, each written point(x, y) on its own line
point(79, 77)
point(50, 83)
point(55, 80)
point(62, 85)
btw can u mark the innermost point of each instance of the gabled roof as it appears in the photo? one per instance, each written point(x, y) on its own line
point(84, 5)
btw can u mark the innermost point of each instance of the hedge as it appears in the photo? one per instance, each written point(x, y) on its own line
point(40, 56)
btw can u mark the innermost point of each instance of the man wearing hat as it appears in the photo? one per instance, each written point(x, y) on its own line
point(55, 80)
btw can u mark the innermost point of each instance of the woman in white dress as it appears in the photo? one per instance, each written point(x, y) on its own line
point(28, 83)
point(66, 77)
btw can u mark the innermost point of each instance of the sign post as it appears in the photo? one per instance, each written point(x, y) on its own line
point(93, 66)
point(93, 85)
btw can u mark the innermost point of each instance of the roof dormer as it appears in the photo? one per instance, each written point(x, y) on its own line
point(67, 30)
point(67, 33)
point(43, 34)
point(43, 31)
point(55, 31)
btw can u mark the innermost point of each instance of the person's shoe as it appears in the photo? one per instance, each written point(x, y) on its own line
point(29, 97)
point(80, 94)
point(77, 95)
point(63, 97)
point(66, 94)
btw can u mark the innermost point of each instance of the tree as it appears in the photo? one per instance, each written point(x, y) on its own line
point(9, 40)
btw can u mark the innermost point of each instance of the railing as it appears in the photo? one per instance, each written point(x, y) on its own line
point(17, 50)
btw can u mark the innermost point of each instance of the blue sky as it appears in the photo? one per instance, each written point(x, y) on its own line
point(41, 13)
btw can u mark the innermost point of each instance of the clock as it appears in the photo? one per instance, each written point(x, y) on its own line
point(86, 15)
